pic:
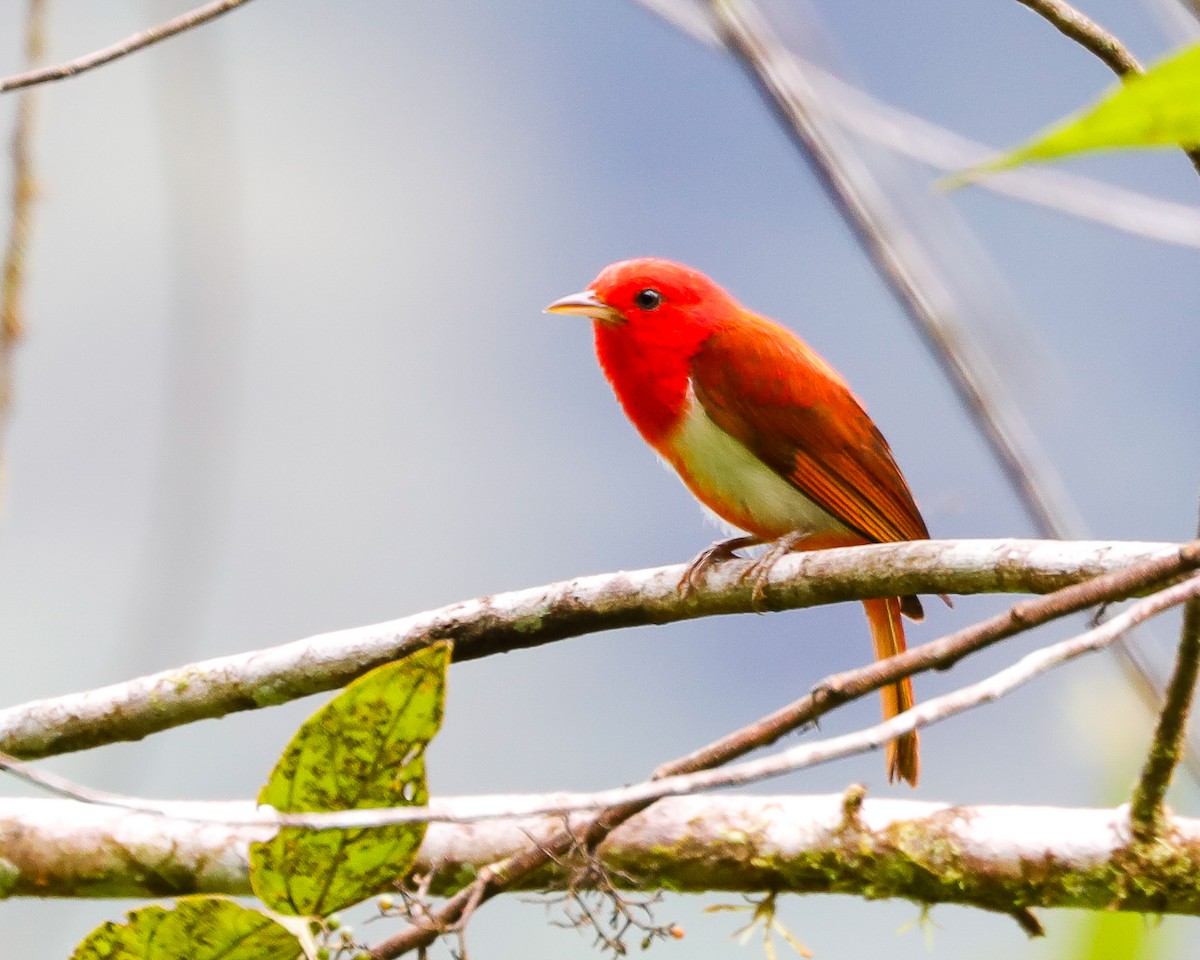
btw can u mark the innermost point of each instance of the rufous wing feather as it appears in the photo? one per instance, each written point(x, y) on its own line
point(765, 387)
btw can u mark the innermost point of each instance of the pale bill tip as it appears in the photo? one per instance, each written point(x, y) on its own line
point(586, 304)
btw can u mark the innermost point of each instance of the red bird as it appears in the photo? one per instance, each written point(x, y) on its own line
point(761, 430)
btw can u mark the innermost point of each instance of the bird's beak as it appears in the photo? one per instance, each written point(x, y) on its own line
point(586, 304)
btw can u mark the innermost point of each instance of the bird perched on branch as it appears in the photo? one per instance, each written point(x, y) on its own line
point(760, 429)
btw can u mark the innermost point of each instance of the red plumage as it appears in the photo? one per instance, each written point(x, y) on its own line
point(760, 428)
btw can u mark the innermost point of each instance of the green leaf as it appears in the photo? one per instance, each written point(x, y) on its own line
point(1160, 107)
point(1118, 936)
point(196, 928)
point(364, 749)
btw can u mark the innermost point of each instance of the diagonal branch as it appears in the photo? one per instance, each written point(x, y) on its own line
point(682, 776)
point(917, 284)
point(919, 139)
point(131, 44)
point(901, 260)
point(1089, 34)
point(1147, 812)
point(528, 618)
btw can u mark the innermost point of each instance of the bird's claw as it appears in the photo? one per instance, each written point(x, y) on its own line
point(719, 551)
point(760, 571)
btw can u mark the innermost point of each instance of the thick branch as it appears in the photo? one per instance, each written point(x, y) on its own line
point(529, 618)
point(139, 41)
point(999, 858)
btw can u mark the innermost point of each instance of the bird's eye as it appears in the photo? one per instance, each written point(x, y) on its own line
point(647, 299)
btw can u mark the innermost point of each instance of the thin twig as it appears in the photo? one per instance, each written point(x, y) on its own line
point(680, 777)
point(131, 44)
point(1055, 189)
point(928, 301)
point(943, 149)
point(902, 262)
point(16, 252)
point(1087, 33)
point(1090, 35)
point(1147, 811)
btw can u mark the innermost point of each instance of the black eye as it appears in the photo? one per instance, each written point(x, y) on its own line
point(647, 299)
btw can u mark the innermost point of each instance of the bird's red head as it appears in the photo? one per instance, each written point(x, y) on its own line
point(650, 317)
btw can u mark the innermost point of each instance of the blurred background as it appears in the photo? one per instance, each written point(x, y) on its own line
point(286, 371)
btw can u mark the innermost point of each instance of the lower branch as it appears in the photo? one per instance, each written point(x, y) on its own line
point(998, 858)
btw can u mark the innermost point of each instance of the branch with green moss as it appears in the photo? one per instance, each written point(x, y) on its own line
point(1002, 858)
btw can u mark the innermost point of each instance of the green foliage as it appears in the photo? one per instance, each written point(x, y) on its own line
point(364, 749)
point(1117, 936)
point(1160, 107)
point(196, 928)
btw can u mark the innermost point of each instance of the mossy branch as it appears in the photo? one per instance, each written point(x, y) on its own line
point(1001, 858)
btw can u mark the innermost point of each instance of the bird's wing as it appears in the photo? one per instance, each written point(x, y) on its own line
point(761, 384)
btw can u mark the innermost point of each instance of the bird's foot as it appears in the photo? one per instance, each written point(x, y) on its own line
point(721, 550)
point(760, 570)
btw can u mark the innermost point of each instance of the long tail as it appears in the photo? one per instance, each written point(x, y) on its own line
point(887, 631)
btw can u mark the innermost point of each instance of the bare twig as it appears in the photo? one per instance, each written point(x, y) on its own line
point(928, 301)
point(899, 257)
point(943, 149)
point(528, 618)
point(1056, 189)
point(686, 776)
point(1086, 32)
point(1089, 34)
point(138, 41)
point(24, 192)
point(1147, 813)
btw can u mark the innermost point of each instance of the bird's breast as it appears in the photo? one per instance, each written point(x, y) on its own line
point(736, 485)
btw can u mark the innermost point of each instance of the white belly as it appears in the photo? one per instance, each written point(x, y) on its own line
point(736, 485)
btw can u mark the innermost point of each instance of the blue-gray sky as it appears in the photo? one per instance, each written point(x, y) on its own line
point(287, 371)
